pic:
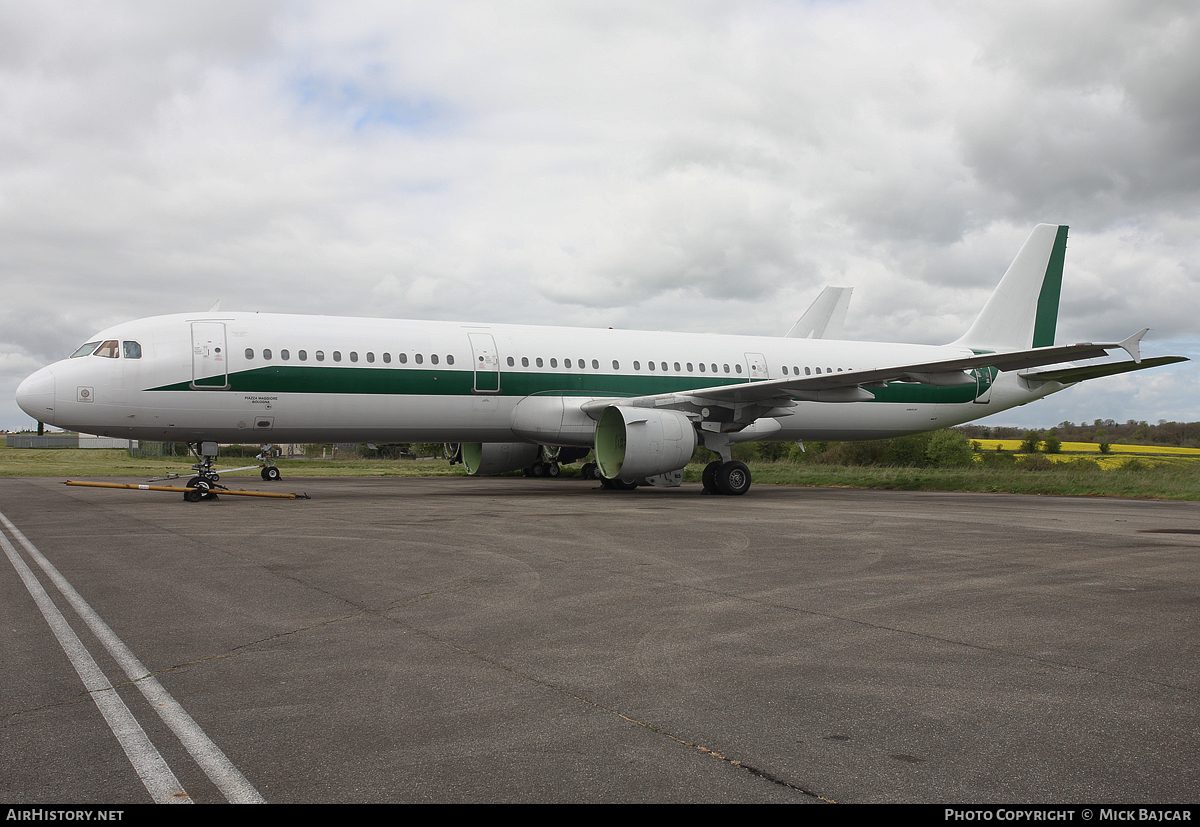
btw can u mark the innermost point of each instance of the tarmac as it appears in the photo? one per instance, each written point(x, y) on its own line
point(543, 640)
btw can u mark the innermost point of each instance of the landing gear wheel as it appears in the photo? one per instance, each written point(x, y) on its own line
point(198, 489)
point(627, 484)
point(552, 469)
point(271, 474)
point(733, 478)
point(709, 477)
point(538, 469)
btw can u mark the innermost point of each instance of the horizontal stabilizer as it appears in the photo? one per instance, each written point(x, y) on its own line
point(1084, 372)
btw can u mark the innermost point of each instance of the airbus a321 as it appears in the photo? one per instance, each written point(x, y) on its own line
point(642, 401)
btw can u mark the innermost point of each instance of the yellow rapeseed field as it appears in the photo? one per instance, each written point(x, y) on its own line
point(1094, 448)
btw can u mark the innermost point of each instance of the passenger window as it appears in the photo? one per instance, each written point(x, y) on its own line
point(320, 356)
point(595, 364)
point(689, 367)
point(702, 367)
point(353, 356)
point(616, 365)
point(785, 373)
point(249, 353)
point(449, 359)
point(387, 358)
point(553, 363)
point(108, 350)
point(433, 358)
point(714, 367)
point(418, 358)
point(637, 365)
point(133, 350)
point(337, 356)
point(738, 367)
point(302, 355)
point(677, 368)
point(511, 362)
point(267, 353)
point(370, 358)
point(524, 361)
point(664, 365)
point(818, 370)
point(808, 371)
point(566, 363)
point(726, 368)
point(650, 365)
point(539, 361)
point(284, 355)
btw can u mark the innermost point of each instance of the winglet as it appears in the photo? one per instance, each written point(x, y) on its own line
point(1132, 345)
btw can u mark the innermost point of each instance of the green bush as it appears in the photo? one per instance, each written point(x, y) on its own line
point(949, 449)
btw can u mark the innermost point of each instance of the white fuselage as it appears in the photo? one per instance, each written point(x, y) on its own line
point(248, 377)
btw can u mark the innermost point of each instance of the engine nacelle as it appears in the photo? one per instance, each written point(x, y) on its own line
point(642, 442)
point(483, 459)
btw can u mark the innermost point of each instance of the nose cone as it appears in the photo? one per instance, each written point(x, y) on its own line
point(36, 396)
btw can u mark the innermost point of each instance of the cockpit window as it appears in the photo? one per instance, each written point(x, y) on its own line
point(85, 350)
point(108, 350)
point(132, 350)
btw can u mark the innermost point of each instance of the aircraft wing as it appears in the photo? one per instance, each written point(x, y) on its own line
point(854, 385)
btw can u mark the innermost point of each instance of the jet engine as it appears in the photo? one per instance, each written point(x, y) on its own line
point(642, 442)
point(482, 459)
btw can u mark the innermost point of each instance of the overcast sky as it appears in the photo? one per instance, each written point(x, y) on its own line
point(694, 166)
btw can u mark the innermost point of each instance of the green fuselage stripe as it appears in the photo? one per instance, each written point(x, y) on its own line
point(433, 382)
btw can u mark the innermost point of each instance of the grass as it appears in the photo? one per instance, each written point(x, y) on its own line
point(84, 462)
point(1165, 476)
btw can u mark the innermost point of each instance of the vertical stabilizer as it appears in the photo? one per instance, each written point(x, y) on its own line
point(1023, 310)
point(824, 319)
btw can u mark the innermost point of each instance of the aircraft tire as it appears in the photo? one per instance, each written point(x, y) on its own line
point(271, 474)
point(733, 477)
point(538, 469)
point(552, 469)
point(623, 484)
point(198, 489)
point(709, 477)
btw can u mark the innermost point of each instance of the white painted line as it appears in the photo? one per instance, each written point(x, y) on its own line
point(161, 783)
point(228, 779)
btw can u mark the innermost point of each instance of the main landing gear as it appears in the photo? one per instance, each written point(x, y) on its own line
point(732, 477)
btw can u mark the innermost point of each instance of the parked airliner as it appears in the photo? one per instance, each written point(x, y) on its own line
point(643, 401)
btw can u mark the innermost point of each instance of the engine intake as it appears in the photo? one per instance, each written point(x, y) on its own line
point(642, 442)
